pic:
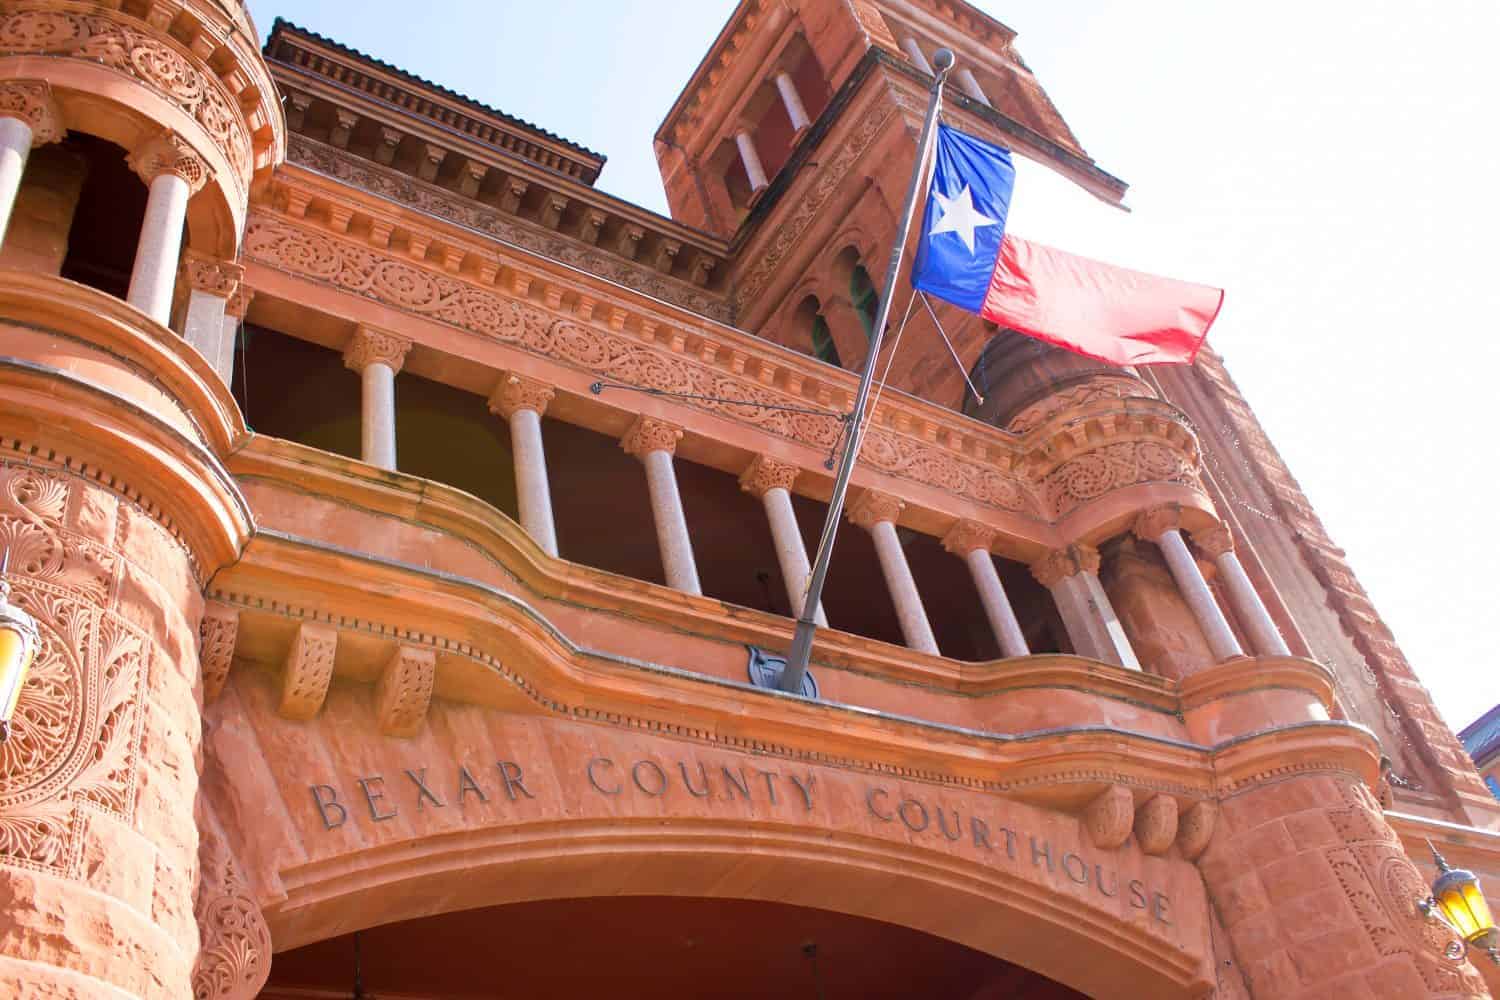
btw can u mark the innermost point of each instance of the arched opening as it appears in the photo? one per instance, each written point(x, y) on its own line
point(864, 298)
point(105, 227)
point(809, 317)
point(651, 946)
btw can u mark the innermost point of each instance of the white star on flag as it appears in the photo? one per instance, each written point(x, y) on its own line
point(960, 216)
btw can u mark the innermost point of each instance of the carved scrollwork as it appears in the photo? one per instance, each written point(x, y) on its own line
point(114, 40)
point(517, 392)
point(1112, 467)
point(368, 347)
point(872, 507)
point(31, 101)
point(234, 959)
point(648, 434)
point(766, 474)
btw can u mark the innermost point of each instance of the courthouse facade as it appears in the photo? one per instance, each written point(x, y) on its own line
point(411, 528)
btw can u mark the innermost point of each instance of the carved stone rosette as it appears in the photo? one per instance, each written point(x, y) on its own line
point(766, 474)
point(517, 392)
point(31, 101)
point(369, 346)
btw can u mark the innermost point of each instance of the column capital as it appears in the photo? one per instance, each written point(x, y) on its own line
point(239, 303)
point(648, 434)
point(1154, 522)
point(766, 474)
point(203, 273)
point(31, 101)
point(1059, 564)
point(968, 536)
point(1215, 541)
point(369, 346)
point(517, 392)
point(169, 153)
point(872, 507)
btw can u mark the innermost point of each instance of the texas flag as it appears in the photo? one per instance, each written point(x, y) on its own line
point(966, 257)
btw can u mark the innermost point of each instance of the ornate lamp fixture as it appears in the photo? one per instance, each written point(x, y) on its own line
point(18, 642)
point(1457, 901)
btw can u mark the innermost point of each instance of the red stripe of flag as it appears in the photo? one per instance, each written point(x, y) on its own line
point(1115, 315)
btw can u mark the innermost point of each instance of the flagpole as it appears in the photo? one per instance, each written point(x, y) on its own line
point(802, 639)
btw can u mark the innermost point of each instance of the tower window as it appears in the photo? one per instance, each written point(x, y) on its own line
point(863, 296)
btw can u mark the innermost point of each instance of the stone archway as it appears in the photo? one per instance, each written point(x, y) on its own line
point(338, 828)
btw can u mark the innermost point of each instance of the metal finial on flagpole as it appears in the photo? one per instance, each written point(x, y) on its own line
point(802, 639)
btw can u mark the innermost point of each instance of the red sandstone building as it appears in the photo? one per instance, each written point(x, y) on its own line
point(383, 655)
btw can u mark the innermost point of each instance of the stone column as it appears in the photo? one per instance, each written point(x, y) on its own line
point(234, 317)
point(970, 86)
point(771, 481)
point(654, 442)
point(877, 513)
point(1162, 526)
point(914, 53)
point(211, 284)
point(751, 160)
point(174, 173)
point(796, 112)
point(1072, 575)
point(1317, 898)
point(522, 401)
point(1218, 544)
point(971, 541)
point(377, 356)
point(28, 117)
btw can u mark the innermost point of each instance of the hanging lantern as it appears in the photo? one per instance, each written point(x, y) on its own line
point(1458, 902)
point(18, 643)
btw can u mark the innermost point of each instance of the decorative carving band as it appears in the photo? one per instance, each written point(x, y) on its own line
point(1077, 394)
point(517, 392)
point(169, 153)
point(209, 274)
point(216, 637)
point(484, 310)
point(113, 39)
point(1151, 524)
point(31, 101)
point(872, 507)
point(648, 434)
point(308, 671)
point(239, 303)
point(766, 474)
point(369, 346)
point(1156, 824)
point(1112, 467)
point(968, 536)
point(404, 691)
point(1214, 542)
point(1059, 564)
point(1110, 816)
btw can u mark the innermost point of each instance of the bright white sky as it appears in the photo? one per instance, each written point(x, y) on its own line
point(1332, 164)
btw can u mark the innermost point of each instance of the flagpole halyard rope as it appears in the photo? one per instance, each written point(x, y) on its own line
point(951, 352)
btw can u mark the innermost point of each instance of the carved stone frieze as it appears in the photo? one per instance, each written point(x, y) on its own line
point(872, 507)
point(216, 637)
point(234, 957)
point(169, 153)
point(608, 354)
point(369, 346)
point(412, 193)
point(647, 434)
point(308, 671)
point(31, 101)
point(1112, 467)
point(114, 39)
point(517, 392)
point(766, 474)
point(968, 536)
point(405, 690)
